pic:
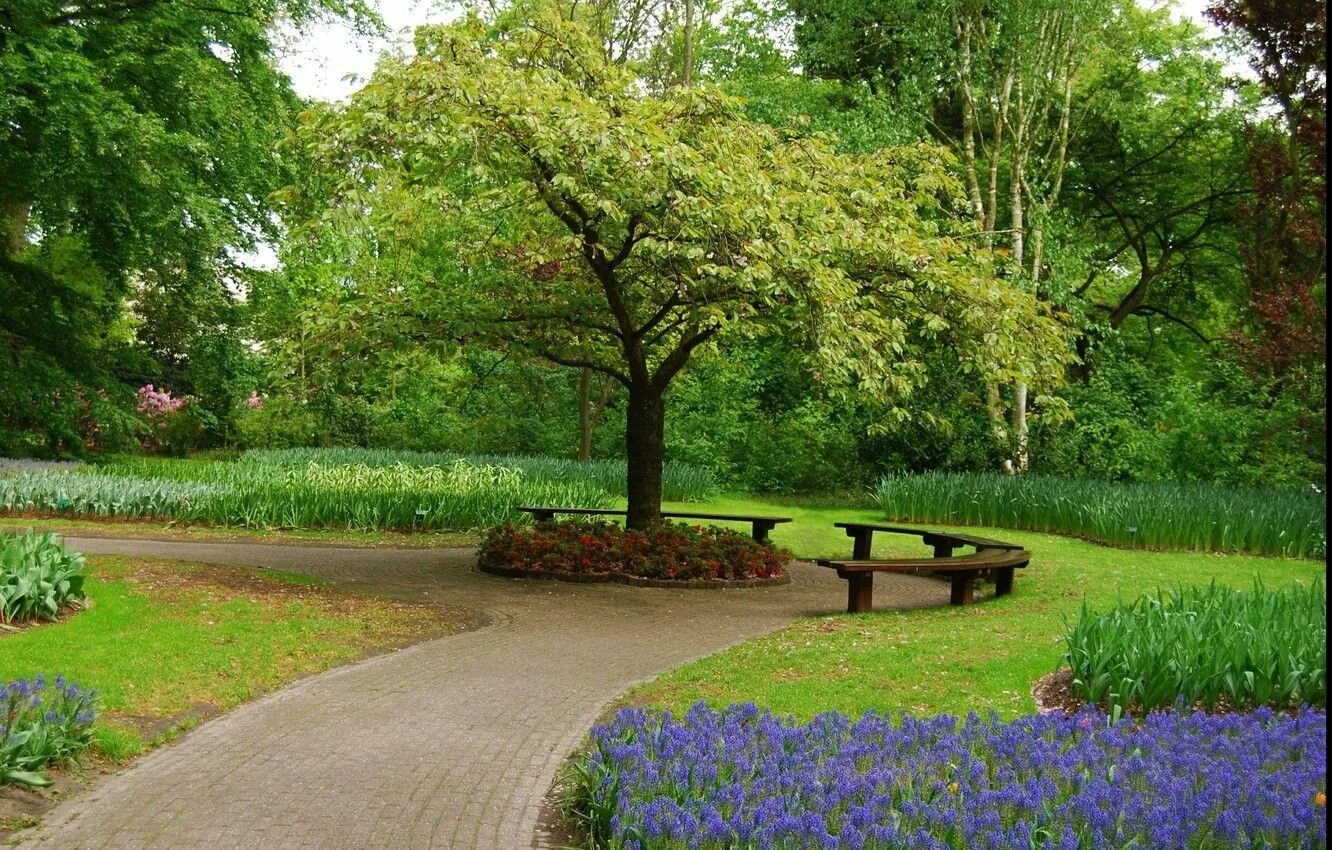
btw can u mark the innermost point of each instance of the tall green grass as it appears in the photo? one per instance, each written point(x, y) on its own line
point(1188, 517)
point(460, 496)
point(680, 482)
point(1206, 645)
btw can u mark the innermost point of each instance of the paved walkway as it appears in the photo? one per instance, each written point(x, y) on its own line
point(452, 743)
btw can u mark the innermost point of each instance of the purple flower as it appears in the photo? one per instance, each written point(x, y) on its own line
point(741, 777)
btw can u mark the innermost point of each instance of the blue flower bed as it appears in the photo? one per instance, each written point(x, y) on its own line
point(739, 778)
point(41, 724)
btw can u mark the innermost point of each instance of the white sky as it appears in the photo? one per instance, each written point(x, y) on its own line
point(331, 61)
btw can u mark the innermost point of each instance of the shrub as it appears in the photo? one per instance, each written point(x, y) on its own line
point(671, 551)
point(175, 424)
point(1213, 646)
point(37, 576)
point(41, 725)
point(1192, 517)
point(741, 778)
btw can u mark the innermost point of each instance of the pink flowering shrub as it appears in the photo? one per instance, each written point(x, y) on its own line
point(175, 423)
point(155, 402)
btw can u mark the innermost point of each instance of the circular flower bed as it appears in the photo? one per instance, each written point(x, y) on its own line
point(667, 555)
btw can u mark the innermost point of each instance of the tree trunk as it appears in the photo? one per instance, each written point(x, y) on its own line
point(994, 409)
point(14, 225)
point(969, 127)
point(688, 76)
point(644, 449)
point(585, 416)
point(1021, 458)
point(590, 412)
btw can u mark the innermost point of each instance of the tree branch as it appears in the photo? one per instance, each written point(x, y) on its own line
point(1147, 308)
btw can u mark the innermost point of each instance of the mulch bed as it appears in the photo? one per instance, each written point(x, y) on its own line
point(1054, 692)
point(635, 581)
point(67, 610)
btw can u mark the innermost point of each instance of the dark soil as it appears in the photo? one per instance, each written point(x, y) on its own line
point(1054, 692)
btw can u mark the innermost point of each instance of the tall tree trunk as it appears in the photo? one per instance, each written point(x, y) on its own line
point(585, 416)
point(590, 412)
point(1018, 214)
point(1021, 459)
point(994, 409)
point(645, 450)
point(969, 126)
point(688, 75)
point(14, 225)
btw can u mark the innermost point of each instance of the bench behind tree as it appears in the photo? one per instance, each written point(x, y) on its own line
point(759, 525)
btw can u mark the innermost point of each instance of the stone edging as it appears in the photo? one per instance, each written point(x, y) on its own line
point(635, 581)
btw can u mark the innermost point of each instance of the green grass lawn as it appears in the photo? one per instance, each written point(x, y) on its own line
point(947, 659)
point(166, 643)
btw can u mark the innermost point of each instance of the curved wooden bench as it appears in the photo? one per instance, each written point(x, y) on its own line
point(993, 559)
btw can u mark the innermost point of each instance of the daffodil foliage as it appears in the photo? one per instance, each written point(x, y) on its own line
point(533, 194)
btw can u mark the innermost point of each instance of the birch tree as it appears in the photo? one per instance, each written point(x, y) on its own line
point(1016, 69)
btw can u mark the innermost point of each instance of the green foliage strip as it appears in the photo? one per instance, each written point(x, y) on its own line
point(1177, 516)
point(354, 489)
point(1212, 645)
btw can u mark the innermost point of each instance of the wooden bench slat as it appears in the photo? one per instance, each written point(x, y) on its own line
point(729, 517)
point(928, 536)
point(981, 560)
point(759, 525)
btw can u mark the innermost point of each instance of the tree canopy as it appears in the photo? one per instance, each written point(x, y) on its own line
point(137, 146)
point(574, 217)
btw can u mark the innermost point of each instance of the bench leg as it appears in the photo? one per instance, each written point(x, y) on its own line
point(963, 587)
point(860, 547)
point(1003, 582)
point(859, 592)
point(761, 530)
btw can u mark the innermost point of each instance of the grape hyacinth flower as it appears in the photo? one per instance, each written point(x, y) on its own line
point(739, 777)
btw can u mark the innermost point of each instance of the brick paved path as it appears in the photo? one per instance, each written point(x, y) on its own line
point(451, 743)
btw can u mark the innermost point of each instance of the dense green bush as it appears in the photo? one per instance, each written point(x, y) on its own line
point(1190, 517)
point(1214, 646)
point(1135, 422)
point(38, 577)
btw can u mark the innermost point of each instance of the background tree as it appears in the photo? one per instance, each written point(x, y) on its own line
point(137, 136)
point(595, 227)
point(1156, 175)
point(1284, 223)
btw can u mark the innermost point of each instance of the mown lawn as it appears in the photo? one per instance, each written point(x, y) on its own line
point(167, 643)
point(939, 660)
point(947, 659)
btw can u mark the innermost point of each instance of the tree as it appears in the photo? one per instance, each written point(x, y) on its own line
point(997, 77)
point(1156, 175)
point(1284, 223)
point(567, 215)
point(138, 135)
